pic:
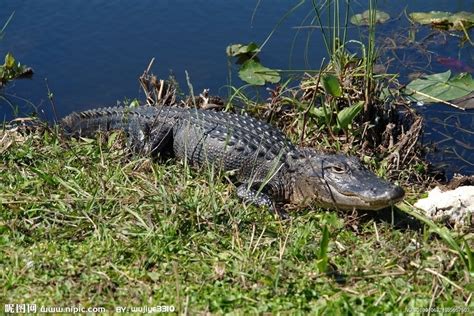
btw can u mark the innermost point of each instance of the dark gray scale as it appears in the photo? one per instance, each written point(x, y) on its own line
point(255, 131)
point(201, 141)
point(271, 138)
point(230, 141)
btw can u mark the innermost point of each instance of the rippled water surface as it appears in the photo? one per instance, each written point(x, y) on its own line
point(91, 53)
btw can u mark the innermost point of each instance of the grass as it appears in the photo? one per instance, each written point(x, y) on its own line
point(83, 223)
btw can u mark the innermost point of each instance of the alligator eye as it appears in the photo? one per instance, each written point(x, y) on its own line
point(338, 169)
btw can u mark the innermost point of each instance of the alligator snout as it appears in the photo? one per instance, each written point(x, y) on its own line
point(395, 194)
point(378, 197)
point(392, 194)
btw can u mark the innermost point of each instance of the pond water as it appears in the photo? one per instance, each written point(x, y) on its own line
point(91, 53)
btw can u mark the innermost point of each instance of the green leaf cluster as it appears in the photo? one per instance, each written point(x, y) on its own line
point(328, 114)
point(235, 50)
point(10, 70)
point(251, 70)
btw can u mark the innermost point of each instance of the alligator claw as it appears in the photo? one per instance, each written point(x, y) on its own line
point(282, 214)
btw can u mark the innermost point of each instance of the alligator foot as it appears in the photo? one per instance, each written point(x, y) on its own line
point(282, 214)
point(249, 195)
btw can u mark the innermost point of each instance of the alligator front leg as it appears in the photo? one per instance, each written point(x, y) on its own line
point(250, 195)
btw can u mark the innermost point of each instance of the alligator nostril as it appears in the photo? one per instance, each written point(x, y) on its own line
point(395, 194)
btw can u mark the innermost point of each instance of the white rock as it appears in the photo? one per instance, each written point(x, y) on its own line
point(454, 206)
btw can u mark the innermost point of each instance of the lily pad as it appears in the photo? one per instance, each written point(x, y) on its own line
point(441, 87)
point(447, 20)
point(254, 73)
point(466, 102)
point(363, 18)
point(242, 49)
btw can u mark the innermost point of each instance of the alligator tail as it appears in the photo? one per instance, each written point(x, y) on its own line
point(90, 122)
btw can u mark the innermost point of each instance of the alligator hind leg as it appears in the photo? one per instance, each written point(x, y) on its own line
point(249, 195)
point(149, 140)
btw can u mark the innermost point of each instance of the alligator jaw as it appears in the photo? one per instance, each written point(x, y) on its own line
point(367, 200)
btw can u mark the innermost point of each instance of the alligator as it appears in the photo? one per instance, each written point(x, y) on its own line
point(268, 169)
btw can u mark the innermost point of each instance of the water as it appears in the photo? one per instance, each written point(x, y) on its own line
point(91, 53)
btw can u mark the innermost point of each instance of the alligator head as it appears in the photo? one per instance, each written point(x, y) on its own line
point(340, 182)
